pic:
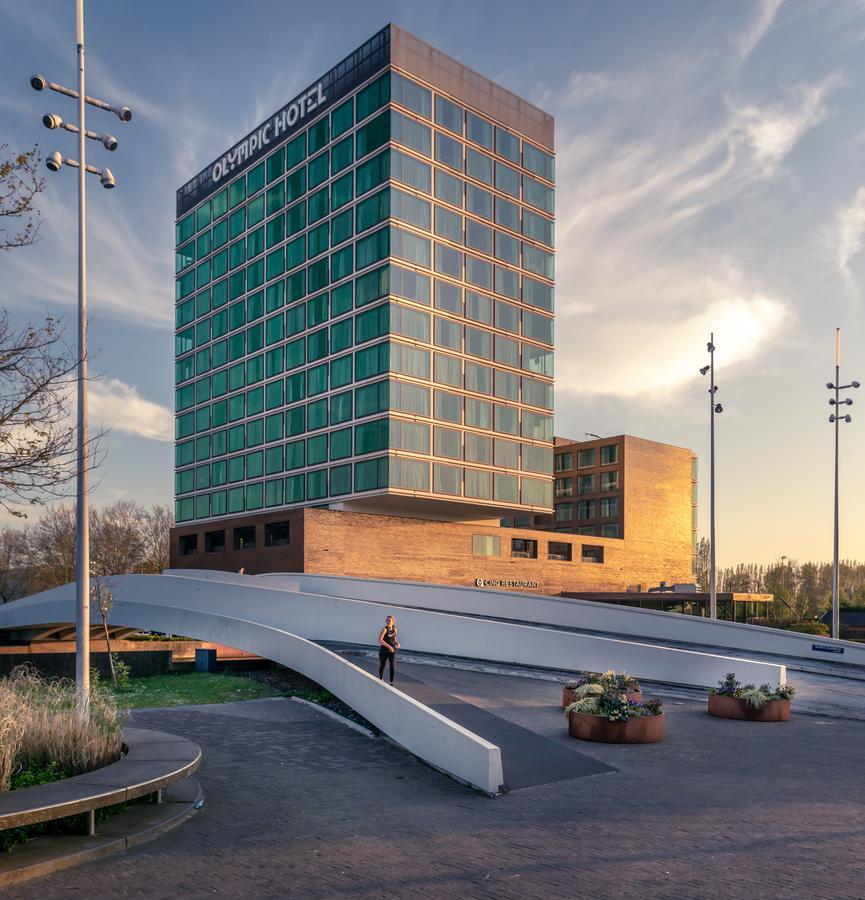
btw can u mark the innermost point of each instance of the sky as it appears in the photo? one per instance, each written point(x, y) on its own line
point(709, 178)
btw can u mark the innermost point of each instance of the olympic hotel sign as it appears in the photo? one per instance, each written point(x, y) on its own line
point(292, 113)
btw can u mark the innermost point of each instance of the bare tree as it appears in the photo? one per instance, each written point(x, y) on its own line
point(155, 534)
point(102, 597)
point(37, 439)
point(20, 182)
point(51, 548)
point(14, 572)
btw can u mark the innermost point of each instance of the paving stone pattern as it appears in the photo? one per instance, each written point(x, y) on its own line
point(299, 805)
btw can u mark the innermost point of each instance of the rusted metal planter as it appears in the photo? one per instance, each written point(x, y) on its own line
point(639, 730)
point(735, 708)
point(569, 696)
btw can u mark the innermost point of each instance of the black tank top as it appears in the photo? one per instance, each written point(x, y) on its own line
point(389, 636)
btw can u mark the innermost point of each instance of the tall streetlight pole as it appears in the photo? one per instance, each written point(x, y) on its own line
point(54, 162)
point(714, 409)
point(836, 419)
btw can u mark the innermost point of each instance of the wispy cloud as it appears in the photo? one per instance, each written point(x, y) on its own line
point(849, 232)
point(118, 406)
point(747, 41)
point(773, 130)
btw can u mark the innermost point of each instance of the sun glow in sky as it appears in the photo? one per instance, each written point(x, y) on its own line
point(709, 167)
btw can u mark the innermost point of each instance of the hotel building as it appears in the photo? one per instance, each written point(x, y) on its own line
point(364, 301)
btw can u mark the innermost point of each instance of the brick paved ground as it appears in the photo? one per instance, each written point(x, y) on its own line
point(299, 805)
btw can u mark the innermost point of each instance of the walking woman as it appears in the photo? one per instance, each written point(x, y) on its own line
point(387, 647)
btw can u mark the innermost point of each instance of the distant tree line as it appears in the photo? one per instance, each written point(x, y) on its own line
point(802, 590)
point(124, 538)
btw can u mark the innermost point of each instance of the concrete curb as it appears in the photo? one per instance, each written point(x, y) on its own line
point(134, 826)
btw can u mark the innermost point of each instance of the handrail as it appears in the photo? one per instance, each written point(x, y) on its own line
point(154, 761)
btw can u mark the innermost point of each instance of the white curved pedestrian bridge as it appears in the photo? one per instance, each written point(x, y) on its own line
point(283, 617)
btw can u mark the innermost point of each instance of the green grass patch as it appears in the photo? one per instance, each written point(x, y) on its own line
point(191, 688)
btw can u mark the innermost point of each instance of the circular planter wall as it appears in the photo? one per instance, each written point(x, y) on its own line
point(641, 730)
point(735, 708)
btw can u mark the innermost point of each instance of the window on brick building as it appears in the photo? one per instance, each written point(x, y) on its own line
point(277, 534)
point(244, 538)
point(214, 541)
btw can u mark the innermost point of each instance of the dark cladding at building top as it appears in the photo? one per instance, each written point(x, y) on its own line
point(278, 128)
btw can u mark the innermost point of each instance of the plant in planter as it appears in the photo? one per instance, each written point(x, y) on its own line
point(597, 714)
point(610, 681)
point(733, 700)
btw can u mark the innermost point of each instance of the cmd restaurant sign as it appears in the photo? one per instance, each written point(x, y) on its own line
point(271, 131)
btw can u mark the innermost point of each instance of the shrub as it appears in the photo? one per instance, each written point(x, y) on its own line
point(755, 697)
point(816, 628)
point(48, 734)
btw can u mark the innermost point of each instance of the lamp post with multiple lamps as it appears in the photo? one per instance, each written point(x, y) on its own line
point(714, 409)
point(836, 420)
point(55, 162)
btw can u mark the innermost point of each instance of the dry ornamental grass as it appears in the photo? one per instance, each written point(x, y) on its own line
point(40, 727)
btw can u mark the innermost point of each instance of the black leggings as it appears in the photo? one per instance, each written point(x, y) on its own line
point(386, 656)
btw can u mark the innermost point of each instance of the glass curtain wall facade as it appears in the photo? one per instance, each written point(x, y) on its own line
point(368, 309)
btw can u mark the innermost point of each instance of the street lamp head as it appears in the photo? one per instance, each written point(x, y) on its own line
point(848, 418)
point(832, 402)
point(109, 142)
point(710, 347)
point(107, 179)
point(832, 418)
point(830, 385)
point(854, 384)
point(51, 121)
point(719, 408)
point(705, 369)
point(54, 161)
point(848, 402)
point(124, 114)
point(38, 82)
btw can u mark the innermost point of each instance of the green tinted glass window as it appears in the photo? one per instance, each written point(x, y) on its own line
point(316, 415)
point(341, 227)
point(275, 264)
point(340, 443)
point(295, 455)
point(371, 361)
point(254, 401)
point(316, 345)
point(274, 329)
point(373, 172)
point(371, 436)
point(273, 492)
point(295, 354)
point(275, 230)
point(235, 469)
point(275, 198)
point(220, 234)
point(236, 284)
point(275, 165)
point(237, 254)
point(274, 427)
point(255, 180)
point(255, 211)
point(295, 151)
point(273, 460)
point(371, 474)
point(295, 219)
point(372, 135)
point(295, 387)
point(340, 336)
point(254, 464)
point(236, 438)
point(341, 155)
point(255, 433)
point(318, 205)
point(316, 450)
point(295, 185)
point(295, 252)
point(371, 286)
point(237, 223)
point(371, 324)
point(342, 191)
point(220, 264)
point(255, 242)
point(342, 118)
point(373, 210)
point(235, 499)
point(373, 96)
point(273, 394)
point(220, 294)
point(316, 310)
point(316, 380)
point(294, 489)
point(340, 408)
point(372, 248)
point(202, 245)
point(317, 240)
point(317, 170)
point(316, 484)
point(340, 480)
point(220, 383)
point(237, 192)
point(254, 496)
point(220, 204)
point(317, 275)
point(274, 361)
point(274, 296)
point(318, 135)
point(341, 299)
point(184, 229)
